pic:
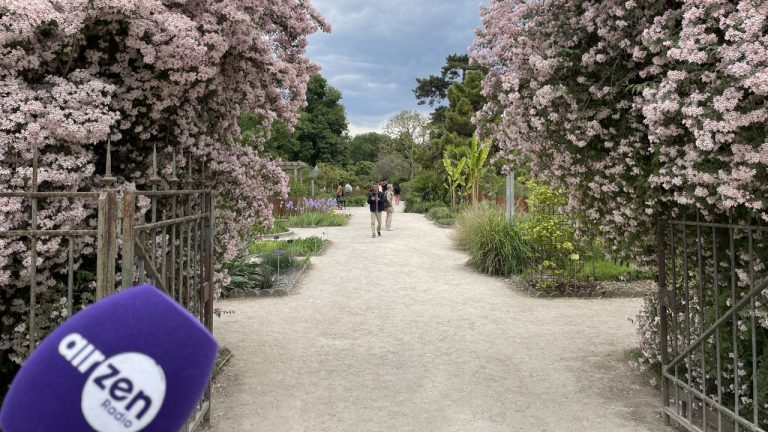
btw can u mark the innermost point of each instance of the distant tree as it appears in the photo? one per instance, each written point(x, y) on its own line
point(322, 125)
point(282, 143)
point(409, 131)
point(391, 167)
point(434, 89)
point(365, 147)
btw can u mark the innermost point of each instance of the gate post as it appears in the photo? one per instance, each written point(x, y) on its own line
point(129, 237)
point(662, 313)
point(106, 244)
point(208, 290)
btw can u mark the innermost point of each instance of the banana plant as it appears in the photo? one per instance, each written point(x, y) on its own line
point(476, 156)
point(456, 176)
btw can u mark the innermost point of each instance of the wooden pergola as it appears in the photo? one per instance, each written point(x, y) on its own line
point(296, 167)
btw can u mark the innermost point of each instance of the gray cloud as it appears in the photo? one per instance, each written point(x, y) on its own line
point(378, 48)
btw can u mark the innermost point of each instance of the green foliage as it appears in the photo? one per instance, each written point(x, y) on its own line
point(319, 135)
point(391, 167)
point(543, 198)
point(301, 247)
point(434, 89)
point(602, 269)
point(363, 169)
point(556, 253)
point(356, 201)
point(282, 143)
point(426, 186)
point(365, 147)
point(247, 273)
point(298, 189)
point(436, 213)
point(416, 205)
point(446, 221)
point(476, 154)
point(455, 175)
point(315, 219)
point(495, 245)
point(285, 262)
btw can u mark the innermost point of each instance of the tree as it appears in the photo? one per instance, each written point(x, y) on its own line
point(322, 125)
point(434, 89)
point(366, 147)
point(75, 75)
point(456, 176)
point(390, 167)
point(476, 156)
point(409, 131)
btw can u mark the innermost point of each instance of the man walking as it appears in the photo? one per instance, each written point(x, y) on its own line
point(378, 203)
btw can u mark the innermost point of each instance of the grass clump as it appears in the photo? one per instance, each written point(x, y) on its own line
point(495, 245)
point(316, 219)
point(302, 247)
point(436, 213)
point(601, 269)
point(247, 273)
point(357, 201)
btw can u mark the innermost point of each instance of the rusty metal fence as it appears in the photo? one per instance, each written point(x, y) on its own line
point(713, 324)
point(163, 237)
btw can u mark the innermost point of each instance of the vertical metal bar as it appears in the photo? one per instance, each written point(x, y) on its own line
point(33, 254)
point(208, 286)
point(734, 318)
point(129, 237)
point(675, 321)
point(755, 394)
point(702, 305)
point(70, 275)
point(107, 244)
point(718, 353)
point(663, 316)
point(164, 255)
point(687, 294)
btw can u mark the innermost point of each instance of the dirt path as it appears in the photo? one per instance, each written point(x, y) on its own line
point(398, 334)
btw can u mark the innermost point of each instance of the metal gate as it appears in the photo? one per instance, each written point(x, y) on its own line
point(163, 237)
point(713, 324)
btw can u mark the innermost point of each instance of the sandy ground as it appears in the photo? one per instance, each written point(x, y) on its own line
point(398, 334)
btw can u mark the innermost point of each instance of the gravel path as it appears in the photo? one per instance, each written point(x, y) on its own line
point(398, 334)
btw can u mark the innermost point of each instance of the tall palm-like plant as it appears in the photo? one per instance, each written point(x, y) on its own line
point(456, 176)
point(476, 156)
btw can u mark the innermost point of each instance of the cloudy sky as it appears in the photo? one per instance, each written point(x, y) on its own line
point(379, 47)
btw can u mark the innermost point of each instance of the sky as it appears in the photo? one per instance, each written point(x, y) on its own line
point(378, 48)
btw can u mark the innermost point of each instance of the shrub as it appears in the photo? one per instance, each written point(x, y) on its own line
point(315, 219)
point(246, 273)
point(445, 221)
point(302, 247)
point(416, 205)
point(425, 187)
point(441, 212)
point(357, 200)
point(495, 245)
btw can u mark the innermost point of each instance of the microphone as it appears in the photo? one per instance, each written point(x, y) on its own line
point(134, 361)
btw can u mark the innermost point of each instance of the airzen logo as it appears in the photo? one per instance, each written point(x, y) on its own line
point(123, 393)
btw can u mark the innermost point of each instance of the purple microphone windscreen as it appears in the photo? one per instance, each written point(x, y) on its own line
point(134, 361)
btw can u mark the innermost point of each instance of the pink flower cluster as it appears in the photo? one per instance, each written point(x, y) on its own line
point(75, 74)
point(635, 107)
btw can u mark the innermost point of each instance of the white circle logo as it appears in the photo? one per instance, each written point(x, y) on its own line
point(124, 393)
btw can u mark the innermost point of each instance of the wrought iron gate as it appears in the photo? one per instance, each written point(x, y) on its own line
point(713, 324)
point(163, 237)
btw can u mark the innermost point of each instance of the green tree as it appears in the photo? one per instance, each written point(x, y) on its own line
point(366, 147)
point(434, 89)
point(476, 154)
point(409, 131)
point(322, 125)
point(456, 176)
